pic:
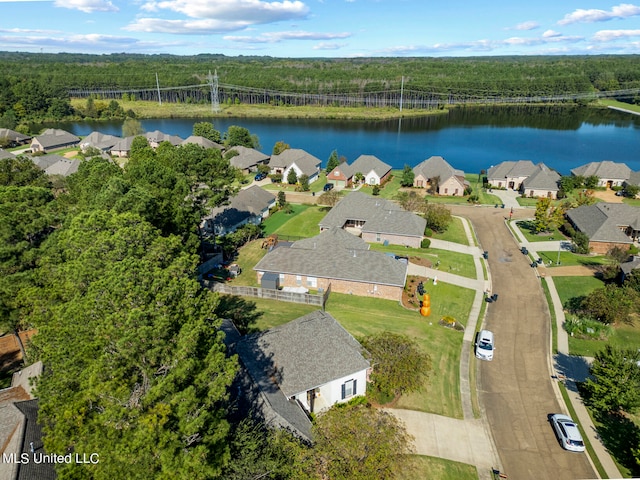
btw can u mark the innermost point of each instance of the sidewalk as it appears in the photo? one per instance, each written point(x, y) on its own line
point(570, 368)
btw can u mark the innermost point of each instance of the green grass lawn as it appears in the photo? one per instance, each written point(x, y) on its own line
point(440, 469)
point(572, 259)
point(570, 287)
point(454, 233)
point(526, 227)
point(301, 222)
point(624, 336)
point(316, 186)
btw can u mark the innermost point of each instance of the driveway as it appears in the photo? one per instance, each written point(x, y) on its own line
point(515, 389)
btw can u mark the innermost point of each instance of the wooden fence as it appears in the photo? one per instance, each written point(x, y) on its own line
point(307, 298)
point(9, 342)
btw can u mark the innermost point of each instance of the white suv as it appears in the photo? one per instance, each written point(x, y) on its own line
point(485, 345)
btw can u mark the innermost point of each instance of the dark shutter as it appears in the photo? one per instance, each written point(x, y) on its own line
point(343, 395)
point(355, 390)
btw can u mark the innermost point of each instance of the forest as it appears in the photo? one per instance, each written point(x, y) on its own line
point(37, 85)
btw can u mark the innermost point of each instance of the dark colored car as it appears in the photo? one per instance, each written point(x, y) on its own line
point(260, 176)
point(328, 187)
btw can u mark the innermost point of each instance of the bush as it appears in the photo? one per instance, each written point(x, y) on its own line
point(428, 232)
point(586, 328)
point(426, 243)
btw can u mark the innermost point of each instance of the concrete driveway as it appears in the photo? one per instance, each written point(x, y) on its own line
point(515, 388)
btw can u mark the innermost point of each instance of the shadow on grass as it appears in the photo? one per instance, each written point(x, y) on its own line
point(10, 362)
point(241, 312)
point(620, 435)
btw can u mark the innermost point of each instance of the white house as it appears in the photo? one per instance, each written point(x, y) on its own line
point(303, 367)
point(510, 174)
point(294, 158)
point(610, 174)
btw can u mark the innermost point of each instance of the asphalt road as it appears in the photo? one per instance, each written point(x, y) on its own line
point(515, 389)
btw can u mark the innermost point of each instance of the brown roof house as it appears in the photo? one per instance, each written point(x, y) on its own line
point(250, 205)
point(374, 171)
point(302, 367)
point(610, 174)
point(543, 182)
point(607, 225)
point(247, 159)
point(376, 220)
point(436, 172)
point(338, 260)
point(53, 139)
point(510, 174)
point(294, 158)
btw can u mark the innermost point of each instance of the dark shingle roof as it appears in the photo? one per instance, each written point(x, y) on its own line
point(33, 435)
point(379, 215)
point(367, 163)
point(335, 254)
point(248, 202)
point(52, 137)
point(247, 157)
point(306, 162)
point(202, 141)
point(601, 222)
point(436, 166)
point(13, 135)
point(542, 179)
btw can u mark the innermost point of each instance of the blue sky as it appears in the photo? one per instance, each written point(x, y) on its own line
point(322, 28)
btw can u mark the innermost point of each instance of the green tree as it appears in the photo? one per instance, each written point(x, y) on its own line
point(399, 364)
point(357, 442)
point(133, 351)
point(611, 304)
point(438, 217)
point(281, 199)
point(333, 161)
point(329, 198)
point(280, 147)
point(581, 242)
point(292, 177)
point(631, 191)
point(206, 130)
point(304, 182)
point(358, 177)
point(411, 201)
point(407, 176)
point(21, 171)
point(131, 127)
point(547, 216)
point(614, 384)
point(591, 181)
point(236, 135)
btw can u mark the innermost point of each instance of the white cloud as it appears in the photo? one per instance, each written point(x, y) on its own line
point(329, 46)
point(195, 27)
point(249, 11)
point(526, 26)
point(87, 6)
point(611, 35)
point(624, 10)
point(275, 37)
point(551, 34)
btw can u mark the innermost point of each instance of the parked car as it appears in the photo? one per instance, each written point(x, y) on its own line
point(328, 187)
point(485, 345)
point(567, 432)
point(260, 176)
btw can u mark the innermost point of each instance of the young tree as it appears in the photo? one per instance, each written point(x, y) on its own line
point(411, 201)
point(358, 177)
point(615, 380)
point(438, 217)
point(304, 182)
point(333, 161)
point(280, 147)
point(357, 442)
point(434, 185)
point(407, 177)
point(330, 198)
point(547, 216)
point(292, 177)
point(131, 127)
point(282, 199)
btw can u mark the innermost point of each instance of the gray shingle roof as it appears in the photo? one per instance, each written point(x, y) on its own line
point(542, 179)
point(248, 202)
point(202, 141)
point(601, 222)
point(99, 140)
point(605, 169)
point(247, 157)
point(436, 166)
point(335, 254)
point(379, 215)
point(123, 145)
point(52, 137)
point(306, 353)
point(306, 162)
point(13, 135)
point(5, 154)
point(520, 168)
point(367, 163)
point(634, 178)
point(158, 137)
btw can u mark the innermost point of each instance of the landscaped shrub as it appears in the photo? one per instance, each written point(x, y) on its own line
point(428, 232)
point(586, 328)
point(426, 243)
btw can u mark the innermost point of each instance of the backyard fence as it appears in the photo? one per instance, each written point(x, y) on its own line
point(319, 299)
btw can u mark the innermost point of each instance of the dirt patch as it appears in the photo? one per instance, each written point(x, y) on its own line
point(569, 271)
point(70, 154)
point(410, 297)
point(608, 196)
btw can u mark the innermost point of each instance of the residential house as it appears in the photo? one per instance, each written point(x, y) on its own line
point(202, 141)
point(376, 220)
point(100, 141)
point(338, 260)
point(607, 225)
point(633, 263)
point(250, 205)
point(20, 432)
point(543, 182)
point(56, 165)
point(11, 138)
point(373, 170)
point(123, 147)
point(302, 367)
point(510, 174)
point(634, 179)
point(610, 174)
point(247, 159)
point(5, 154)
point(435, 172)
point(156, 137)
point(53, 139)
point(294, 158)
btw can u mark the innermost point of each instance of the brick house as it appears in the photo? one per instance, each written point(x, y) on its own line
point(374, 171)
point(610, 174)
point(449, 180)
point(607, 225)
point(543, 182)
point(53, 139)
point(510, 174)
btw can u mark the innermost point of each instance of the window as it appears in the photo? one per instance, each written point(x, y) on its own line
point(298, 280)
point(349, 389)
point(312, 282)
point(336, 173)
point(281, 277)
point(377, 236)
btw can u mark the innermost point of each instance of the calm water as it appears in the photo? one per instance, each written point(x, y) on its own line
point(470, 140)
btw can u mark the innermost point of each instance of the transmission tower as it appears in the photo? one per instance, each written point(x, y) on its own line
point(213, 84)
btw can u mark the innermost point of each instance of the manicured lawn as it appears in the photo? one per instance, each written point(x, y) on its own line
point(570, 287)
point(526, 227)
point(250, 254)
point(452, 262)
point(440, 469)
point(316, 186)
point(302, 222)
point(454, 233)
point(624, 336)
point(390, 189)
point(572, 259)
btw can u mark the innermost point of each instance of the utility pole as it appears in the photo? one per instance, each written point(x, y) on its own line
point(213, 84)
point(158, 88)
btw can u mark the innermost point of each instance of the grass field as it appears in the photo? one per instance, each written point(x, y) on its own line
point(439, 468)
point(454, 233)
point(526, 228)
point(571, 259)
point(570, 287)
point(305, 225)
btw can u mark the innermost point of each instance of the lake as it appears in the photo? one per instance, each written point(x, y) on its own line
point(469, 139)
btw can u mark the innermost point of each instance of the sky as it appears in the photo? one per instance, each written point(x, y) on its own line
point(322, 28)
